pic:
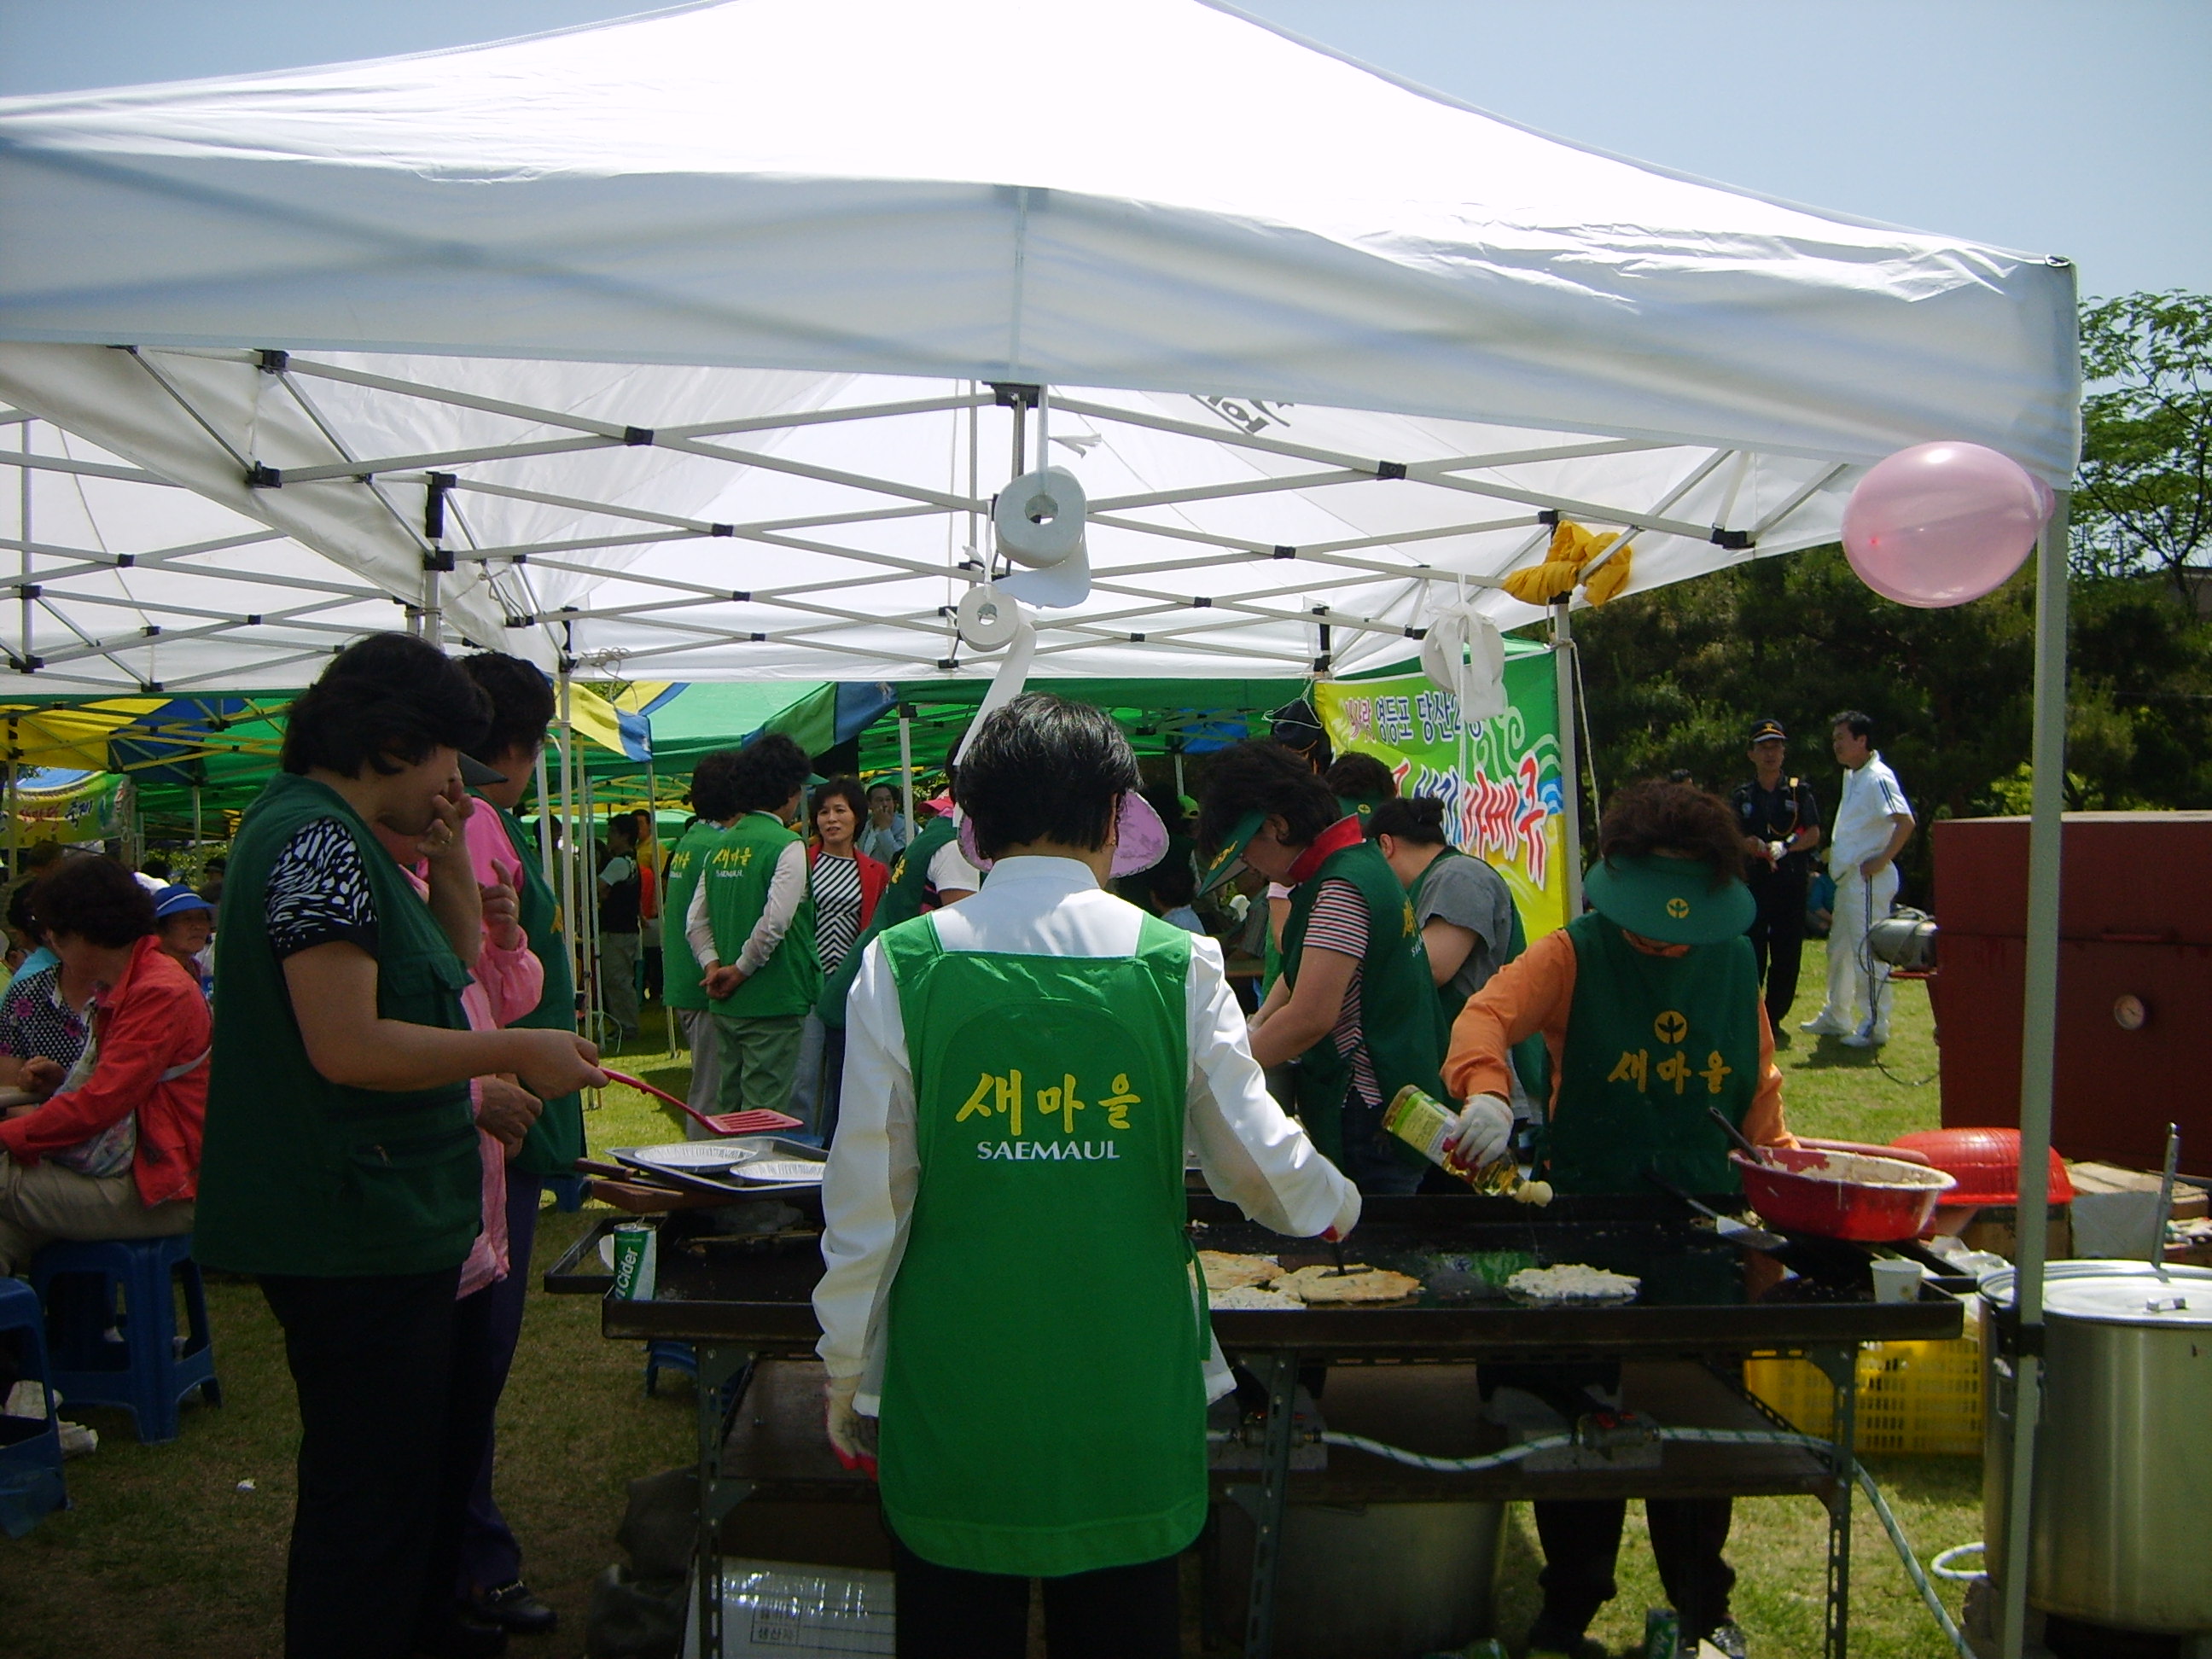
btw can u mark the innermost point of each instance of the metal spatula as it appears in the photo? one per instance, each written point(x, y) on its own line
point(1737, 1232)
point(758, 1121)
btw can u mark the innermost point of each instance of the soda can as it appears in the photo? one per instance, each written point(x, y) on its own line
point(1662, 1633)
point(637, 1260)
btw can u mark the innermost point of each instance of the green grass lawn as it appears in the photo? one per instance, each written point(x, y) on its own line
point(163, 1554)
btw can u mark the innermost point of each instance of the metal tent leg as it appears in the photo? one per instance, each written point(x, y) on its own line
point(721, 1385)
point(1841, 1367)
point(1265, 1503)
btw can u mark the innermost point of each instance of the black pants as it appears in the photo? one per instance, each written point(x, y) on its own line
point(1118, 1613)
point(385, 1457)
point(490, 1557)
point(1778, 939)
point(1581, 1540)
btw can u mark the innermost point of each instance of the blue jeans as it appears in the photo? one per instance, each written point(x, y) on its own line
point(1374, 1157)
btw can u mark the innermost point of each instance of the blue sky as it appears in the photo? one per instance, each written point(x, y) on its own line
point(2078, 127)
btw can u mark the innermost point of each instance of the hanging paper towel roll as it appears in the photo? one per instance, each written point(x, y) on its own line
point(987, 618)
point(1039, 517)
point(1464, 653)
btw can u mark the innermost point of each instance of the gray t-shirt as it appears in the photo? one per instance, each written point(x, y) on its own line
point(1468, 893)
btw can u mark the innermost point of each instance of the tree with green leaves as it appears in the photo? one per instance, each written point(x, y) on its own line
point(2142, 499)
point(1674, 677)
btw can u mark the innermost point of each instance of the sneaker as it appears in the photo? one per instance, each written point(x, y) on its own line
point(1727, 1640)
point(1866, 1039)
point(1821, 1025)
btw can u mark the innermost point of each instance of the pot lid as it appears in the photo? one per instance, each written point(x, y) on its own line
point(2148, 1301)
point(1996, 1287)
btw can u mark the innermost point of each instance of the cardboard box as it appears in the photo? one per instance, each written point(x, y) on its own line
point(780, 1610)
point(2115, 1209)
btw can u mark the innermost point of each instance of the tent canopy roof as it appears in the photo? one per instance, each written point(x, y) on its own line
point(701, 312)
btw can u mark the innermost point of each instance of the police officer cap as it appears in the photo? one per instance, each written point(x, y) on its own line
point(1762, 731)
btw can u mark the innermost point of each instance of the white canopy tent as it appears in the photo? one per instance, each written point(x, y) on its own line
point(681, 342)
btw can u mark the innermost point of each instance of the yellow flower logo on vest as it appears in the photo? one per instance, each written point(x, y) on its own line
point(1670, 1027)
point(1678, 906)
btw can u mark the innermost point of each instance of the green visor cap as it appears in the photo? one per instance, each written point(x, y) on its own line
point(1672, 900)
point(1230, 859)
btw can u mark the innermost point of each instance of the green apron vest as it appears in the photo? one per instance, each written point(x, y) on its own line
point(1043, 1406)
point(299, 1175)
point(679, 969)
point(1399, 1021)
point(736, 874)
point(556, 1141)
point(902, 900)
point(1652, 1043)
point(1532, 1062)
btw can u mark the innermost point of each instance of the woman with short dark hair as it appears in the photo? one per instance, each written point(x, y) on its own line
point(1025, 1069)
point(1648, 1003)
point(846, 884)
point(1355, 1006)
point(342, 1165)
point(114, 1151)
point(751, 925)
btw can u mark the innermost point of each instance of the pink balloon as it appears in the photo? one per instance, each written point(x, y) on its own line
point(1938, 525)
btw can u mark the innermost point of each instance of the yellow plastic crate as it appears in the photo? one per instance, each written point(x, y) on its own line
point(1914, 1397)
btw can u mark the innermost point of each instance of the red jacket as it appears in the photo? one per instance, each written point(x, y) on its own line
point(150, 1022)
point(875, 876)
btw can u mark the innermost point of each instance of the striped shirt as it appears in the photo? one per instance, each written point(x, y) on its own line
point(836, 908)
point(1339, 923)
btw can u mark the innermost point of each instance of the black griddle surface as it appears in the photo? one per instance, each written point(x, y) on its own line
point(1699, 1294)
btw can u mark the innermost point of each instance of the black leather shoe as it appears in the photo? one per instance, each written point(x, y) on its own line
point(468, 1637)
point(515, 1608)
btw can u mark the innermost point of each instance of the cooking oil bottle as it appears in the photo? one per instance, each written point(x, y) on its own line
point(1424, 1122)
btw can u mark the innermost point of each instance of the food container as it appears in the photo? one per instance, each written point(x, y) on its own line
point(1842, 1195)
point(1986, 1163)
point(2122, 1499)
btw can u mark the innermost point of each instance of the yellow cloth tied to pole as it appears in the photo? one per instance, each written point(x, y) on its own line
point(1571, 552)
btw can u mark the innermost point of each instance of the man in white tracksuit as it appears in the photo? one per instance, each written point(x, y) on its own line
point(1873, 823)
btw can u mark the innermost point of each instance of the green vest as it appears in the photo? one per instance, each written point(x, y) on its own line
point(1043, 1408)
point(679, 969)
point(1652, 1043)
point(299, 1175)
point(556, 1141)
point(1400, 1024)
point(902, 900)
point(736, 873)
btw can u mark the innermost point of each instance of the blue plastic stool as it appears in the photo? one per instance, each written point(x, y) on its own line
point(148, 1371)
point(30, 1449)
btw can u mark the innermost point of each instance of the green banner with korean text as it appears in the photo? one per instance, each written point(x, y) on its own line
point(1499, 779)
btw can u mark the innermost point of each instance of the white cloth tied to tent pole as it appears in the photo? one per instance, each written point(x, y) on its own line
point(1464, 653)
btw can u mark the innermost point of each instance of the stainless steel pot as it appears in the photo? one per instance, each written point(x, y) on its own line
point(2124, 1460)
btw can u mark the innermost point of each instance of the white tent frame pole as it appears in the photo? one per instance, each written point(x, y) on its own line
point(588, 881)
point(2037, 1064)
point(567, 739)
point(29, 607)
point(196, 817)
point(544, 822)
point(1570, 826)
point(906, 765)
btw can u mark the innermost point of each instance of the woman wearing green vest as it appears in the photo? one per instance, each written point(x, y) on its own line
point(341, 1163)
point(1010, 1291)
point(750, 926)
point(716, 800)
point(1650, 1007)
point(1355, 1006)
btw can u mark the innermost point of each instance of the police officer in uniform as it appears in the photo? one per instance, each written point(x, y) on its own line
point(1780, 823)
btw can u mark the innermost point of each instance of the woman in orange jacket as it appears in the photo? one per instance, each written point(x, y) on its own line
point(1650, 1007)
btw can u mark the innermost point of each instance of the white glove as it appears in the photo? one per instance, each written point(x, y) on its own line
point(851, 1437)
point(1482, 1132)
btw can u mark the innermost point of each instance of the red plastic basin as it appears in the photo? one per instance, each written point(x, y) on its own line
point(1843, 1194)
point(1986, 1163)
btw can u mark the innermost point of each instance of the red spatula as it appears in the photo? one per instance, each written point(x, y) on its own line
point(758, 1121)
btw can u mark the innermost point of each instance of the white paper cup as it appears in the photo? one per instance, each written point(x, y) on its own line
point(1898, 1280)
